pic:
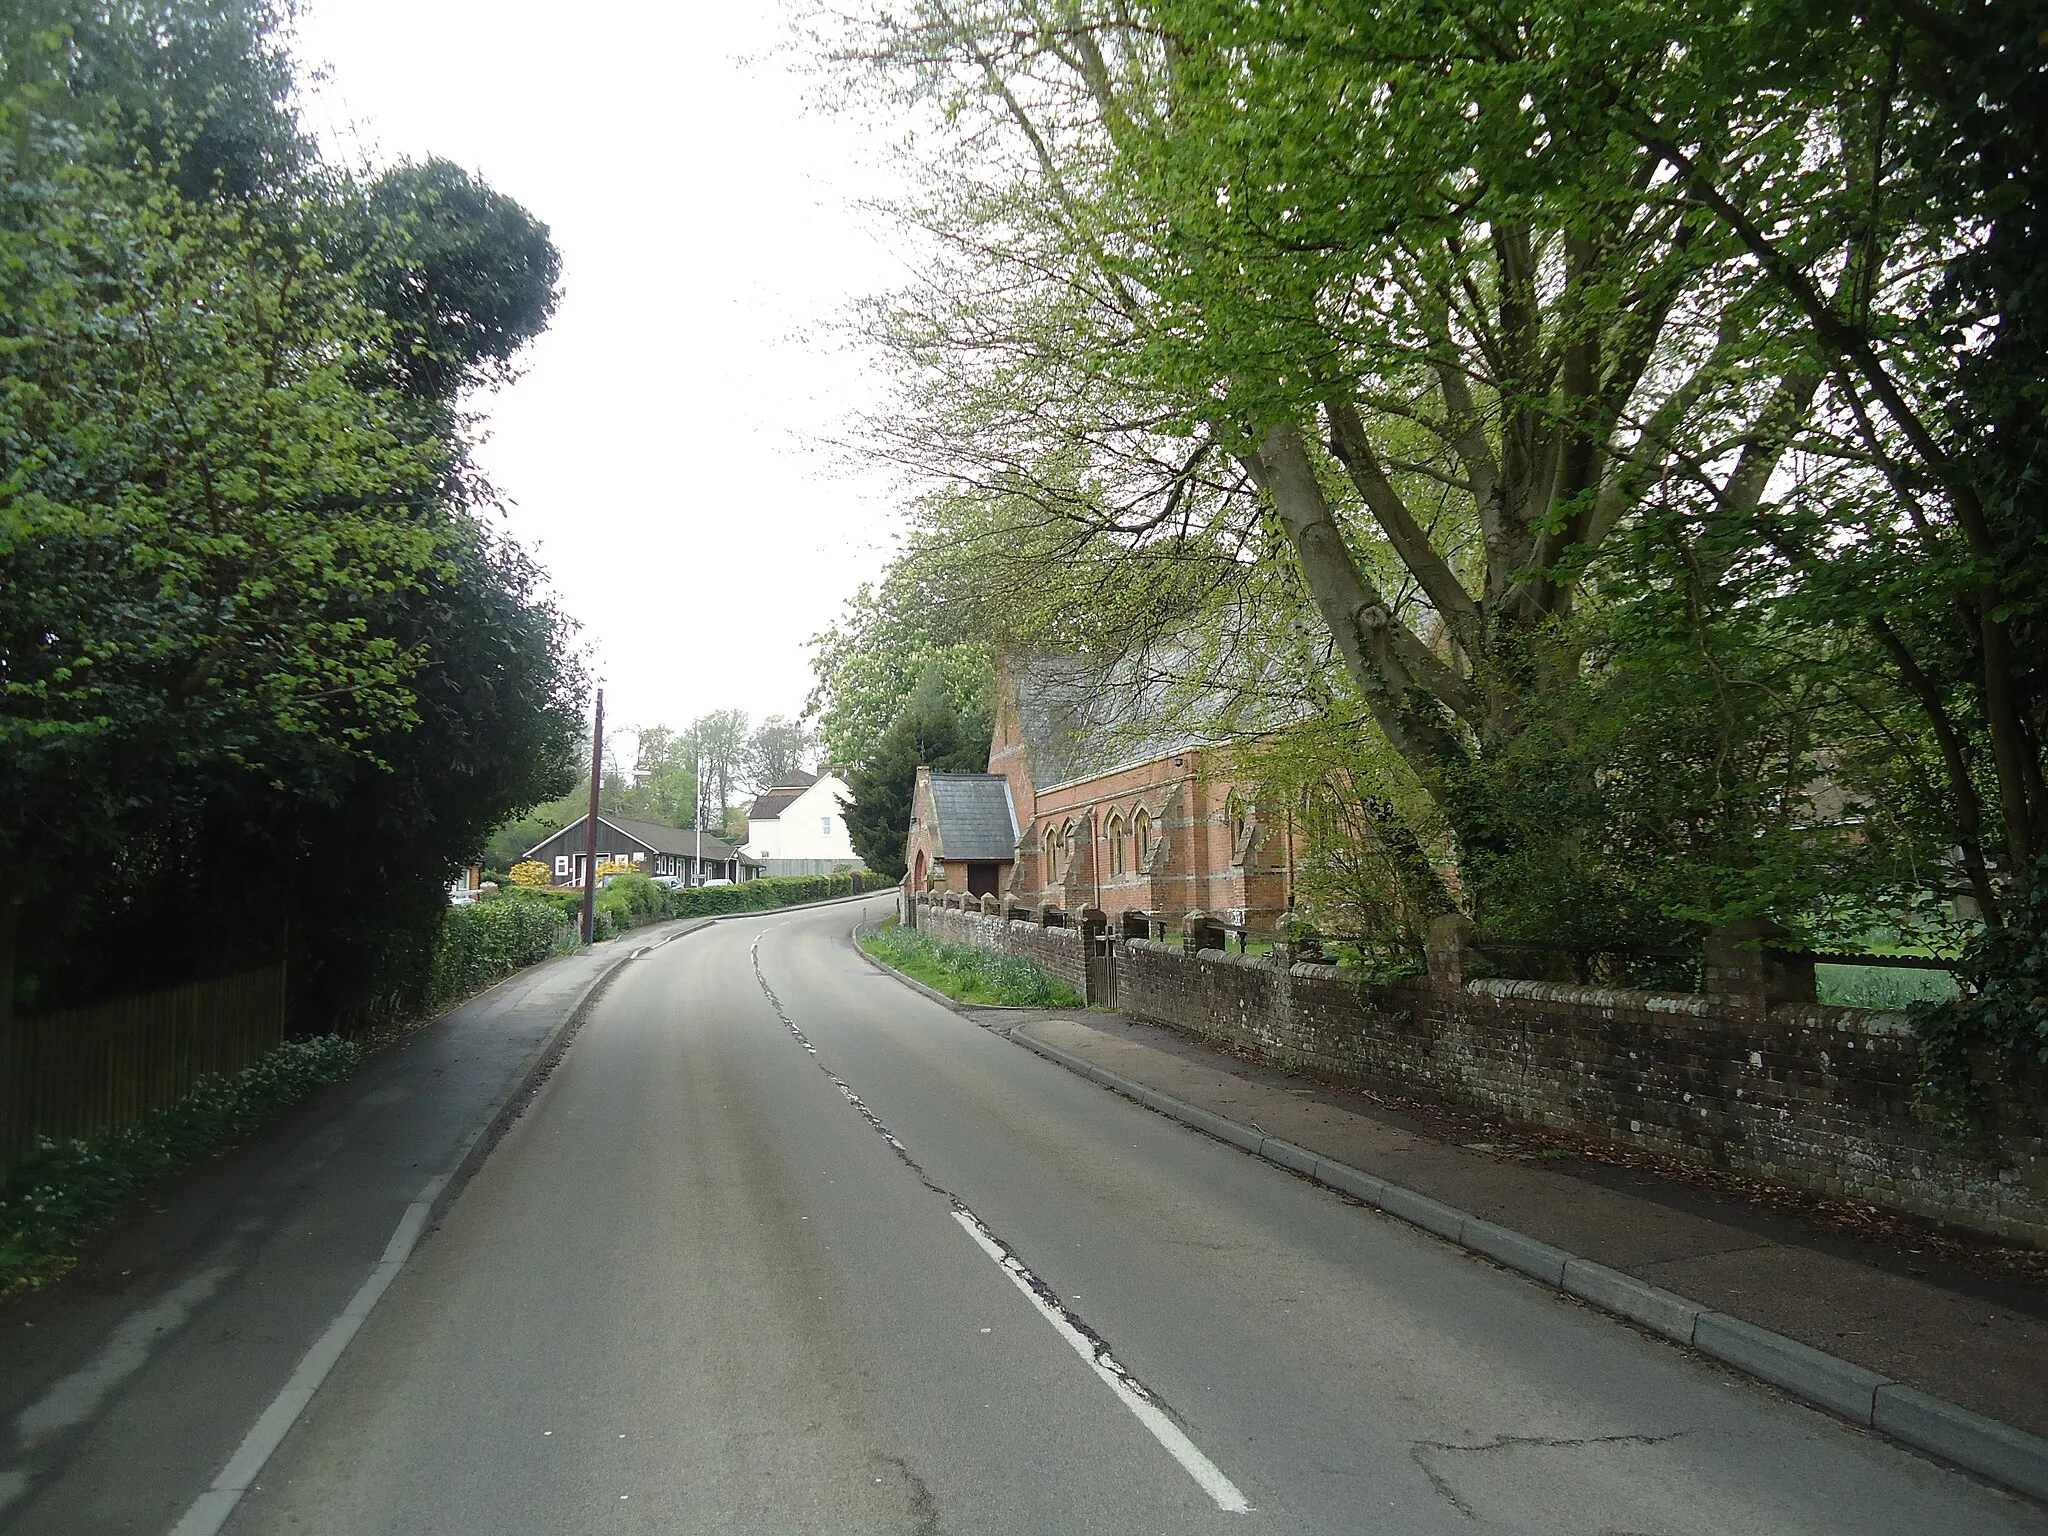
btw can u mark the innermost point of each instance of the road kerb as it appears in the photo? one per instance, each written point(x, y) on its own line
point(1288, 1155)
point(1648, 1305)
point(2000, 1453)
point(1539, 1261)
point(1997, 1451)
point(1813, 1374)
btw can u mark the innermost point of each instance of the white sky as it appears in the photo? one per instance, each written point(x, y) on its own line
point(657, 453)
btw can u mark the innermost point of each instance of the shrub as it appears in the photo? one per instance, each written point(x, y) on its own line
point(480, 943)
point(531, 872)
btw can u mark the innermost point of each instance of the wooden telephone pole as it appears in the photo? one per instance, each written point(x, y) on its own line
point(590, 826)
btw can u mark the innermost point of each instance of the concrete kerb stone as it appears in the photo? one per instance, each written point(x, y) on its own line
point(1998, 1451)
point(1539, 1261)
point(1418, 1210)
point(2007, 1456)
point(1652, 1307)
point(1806, 1372)
point(1288, 1155)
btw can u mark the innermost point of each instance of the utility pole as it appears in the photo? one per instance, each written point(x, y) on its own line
point(697, 821)
point(590, 826)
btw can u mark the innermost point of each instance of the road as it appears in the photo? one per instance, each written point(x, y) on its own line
point(786, 1247)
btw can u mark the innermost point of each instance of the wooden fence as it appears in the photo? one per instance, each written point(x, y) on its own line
point(95, 1069)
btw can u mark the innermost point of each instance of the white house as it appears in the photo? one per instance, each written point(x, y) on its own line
point(799, 828)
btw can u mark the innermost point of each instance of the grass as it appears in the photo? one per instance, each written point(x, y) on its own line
point(63, 1189)
point(967, 973)
point(1882, 987)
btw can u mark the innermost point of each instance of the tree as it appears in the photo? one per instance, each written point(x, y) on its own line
point(249, 624)
point(777, 749)
point(718, 743)
point(465, 275)
point(1460, 319)
point(929, 732)
point(869, 662)
point(664, 778)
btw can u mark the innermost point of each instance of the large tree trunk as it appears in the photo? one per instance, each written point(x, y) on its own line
point(1403, 684)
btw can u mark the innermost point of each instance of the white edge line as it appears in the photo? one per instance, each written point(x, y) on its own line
point(210, 1511)
point(1205, 1472)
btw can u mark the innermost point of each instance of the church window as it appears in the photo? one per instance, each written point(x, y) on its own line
point(1141, 825)
point(1114, 831)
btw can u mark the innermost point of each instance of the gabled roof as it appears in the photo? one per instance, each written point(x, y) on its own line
point(975, 817)
point(774, 801)
point(658, 836)
point(1079, 716)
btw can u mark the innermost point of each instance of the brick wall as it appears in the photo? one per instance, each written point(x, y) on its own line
point(1819, 1098)
point(1060, 952)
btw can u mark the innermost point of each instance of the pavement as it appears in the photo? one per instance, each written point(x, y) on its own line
point(781, 1245)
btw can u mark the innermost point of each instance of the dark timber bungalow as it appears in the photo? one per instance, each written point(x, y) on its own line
point(650, 847)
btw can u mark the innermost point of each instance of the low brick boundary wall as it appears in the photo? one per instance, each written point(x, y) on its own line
point(1061, 952)
point(1815, 1097)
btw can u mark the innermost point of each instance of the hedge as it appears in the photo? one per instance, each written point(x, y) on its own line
point(488, 939)
point(771, 891)
point(632, 900)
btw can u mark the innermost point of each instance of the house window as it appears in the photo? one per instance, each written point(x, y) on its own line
point(639, 858)
point(825, 825)
point(1114, 831)
point(1141, 825)
point(561, 864)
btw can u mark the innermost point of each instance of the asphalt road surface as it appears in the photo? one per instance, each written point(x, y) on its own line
point(786, 1247)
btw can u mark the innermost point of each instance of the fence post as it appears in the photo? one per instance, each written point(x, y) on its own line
point(1448, 948)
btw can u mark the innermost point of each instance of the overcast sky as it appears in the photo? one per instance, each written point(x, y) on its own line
point(656, 452)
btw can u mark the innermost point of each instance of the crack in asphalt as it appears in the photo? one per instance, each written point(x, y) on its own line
point(1442, 1484)
point(1012, 1261)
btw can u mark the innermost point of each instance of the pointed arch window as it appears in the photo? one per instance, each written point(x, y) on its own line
point(1113, 830)
point(1141, 835)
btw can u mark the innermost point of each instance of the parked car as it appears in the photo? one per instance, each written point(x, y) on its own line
point(668, 882)
point(718, 882)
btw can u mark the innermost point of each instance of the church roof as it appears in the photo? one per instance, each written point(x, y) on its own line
point(1078, 718)
point(975, 818)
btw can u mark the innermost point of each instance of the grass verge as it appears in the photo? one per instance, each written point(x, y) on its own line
point(1883, 987)
point(64, 1189)
point(967, 973)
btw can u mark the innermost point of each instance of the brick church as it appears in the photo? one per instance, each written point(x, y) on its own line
point(1090, 802)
